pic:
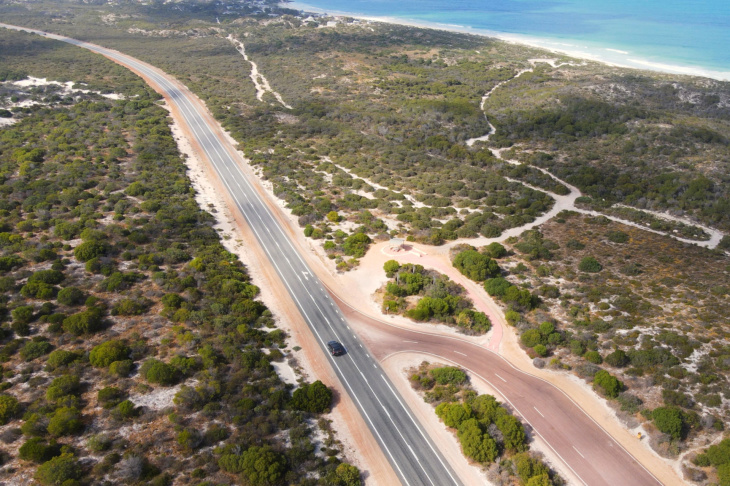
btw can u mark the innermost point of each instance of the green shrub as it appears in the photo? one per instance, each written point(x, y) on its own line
point(121, 368)
point(38, 451)
point(390, 267)
point(448, 375)
point(453, 414)
point(35, 349)
point(59, 471)
point(610, 385)
point(262, 467)
point(723, 471)
point(476, 444)
point(313, 398)
point(185, 365)
point(475, 265)
point(618, 359)
point(593, 356)
point(99, 443)
point(10, 262)
point(70, 296)
point(528, 468)
point(9, 408)
point(513, 432)
point(34, 425)
point(156, 371)
point(125, 410)
point(172, 301)
point(669, 421)
point(59, 358)
point(531, 338)
point(62, 386)
point(541, 350)
point(520, 298)
point(22, 314)
point(356, 245)
point(617, 236)
point(719, 454)
point(106, 353)
point(90, 249)
point(590, 264)
point(65, 421)
point(21, 328)
point(130, 307)
point(497, 287)
point(189, 439)
point(577, 347)
point(86, 322)
point(512, 317)
point(50, 277)
point(38, 290)
point(495, 250)
point(346, 475)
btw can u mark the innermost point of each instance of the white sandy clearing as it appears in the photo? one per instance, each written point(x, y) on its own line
point(68, 87)
point(158, 399)
point(285, 372)
point(259, 80)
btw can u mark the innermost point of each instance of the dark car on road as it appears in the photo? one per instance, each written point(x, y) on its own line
point(336, 349)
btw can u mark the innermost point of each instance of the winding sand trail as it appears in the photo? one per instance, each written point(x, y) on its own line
point(568, 202)
point(259, 80)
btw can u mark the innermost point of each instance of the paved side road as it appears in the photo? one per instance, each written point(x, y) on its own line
point(410, 451)
point(590, 453)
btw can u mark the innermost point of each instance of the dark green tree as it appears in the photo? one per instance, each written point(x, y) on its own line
point(313, 398)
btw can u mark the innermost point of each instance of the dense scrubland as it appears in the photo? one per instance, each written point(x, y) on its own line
point(133, 347)
point(374, 145)
point(641, 317)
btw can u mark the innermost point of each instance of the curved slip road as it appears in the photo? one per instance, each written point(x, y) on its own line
point(413, 455)
point(584, 447)
point(588, 451)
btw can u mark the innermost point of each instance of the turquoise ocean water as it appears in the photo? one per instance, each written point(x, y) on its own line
point(689, 36)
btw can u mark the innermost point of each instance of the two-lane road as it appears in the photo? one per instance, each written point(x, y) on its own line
point(584, 447)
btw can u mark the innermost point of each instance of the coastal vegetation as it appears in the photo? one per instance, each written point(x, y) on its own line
point(373, 146)
point(134, 348)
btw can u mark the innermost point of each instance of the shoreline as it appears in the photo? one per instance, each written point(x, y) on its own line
point(612, 57)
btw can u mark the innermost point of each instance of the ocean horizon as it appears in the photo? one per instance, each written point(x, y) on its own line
point(669, 36)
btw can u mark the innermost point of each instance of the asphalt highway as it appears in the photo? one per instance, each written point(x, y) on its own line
point(591, 453)
point(413, 455)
